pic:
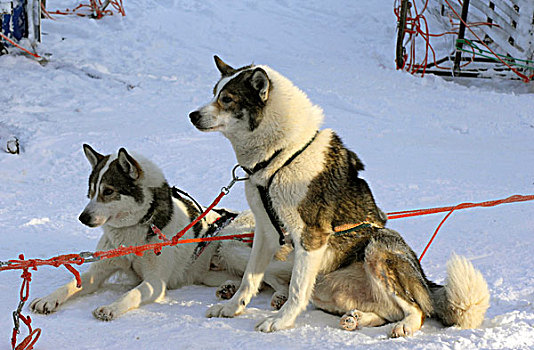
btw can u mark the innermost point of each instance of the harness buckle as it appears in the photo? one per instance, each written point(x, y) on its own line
point(88, 257)
point(235, 178)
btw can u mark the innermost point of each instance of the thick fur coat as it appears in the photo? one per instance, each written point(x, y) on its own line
point(127, 194)
point(370, 276)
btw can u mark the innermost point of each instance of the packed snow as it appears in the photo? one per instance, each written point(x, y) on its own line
point(131, 82)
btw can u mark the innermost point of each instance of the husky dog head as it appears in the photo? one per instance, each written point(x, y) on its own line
point(239, 97)
point(257, 106)
point(123, 190)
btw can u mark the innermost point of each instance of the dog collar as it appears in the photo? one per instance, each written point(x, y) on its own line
point(263, 164)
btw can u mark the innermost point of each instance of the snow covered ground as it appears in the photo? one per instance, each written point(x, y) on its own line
point(132, 81)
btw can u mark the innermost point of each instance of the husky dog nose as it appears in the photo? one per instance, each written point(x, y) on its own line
point(85, 218)
point(195, 117)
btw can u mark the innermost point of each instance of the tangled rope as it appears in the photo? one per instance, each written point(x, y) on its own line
point(413, 22)
point(524, 77)
point(34, 334)
point(95, 9)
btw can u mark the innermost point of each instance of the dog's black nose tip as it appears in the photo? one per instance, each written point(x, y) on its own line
point(85, 218)
point(194, 116)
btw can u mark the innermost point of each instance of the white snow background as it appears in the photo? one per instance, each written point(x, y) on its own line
point(131, 82)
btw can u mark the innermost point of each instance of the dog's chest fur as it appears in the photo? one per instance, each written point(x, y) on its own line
point(318, 192)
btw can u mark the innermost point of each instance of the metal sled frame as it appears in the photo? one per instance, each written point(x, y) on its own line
point(503, 18)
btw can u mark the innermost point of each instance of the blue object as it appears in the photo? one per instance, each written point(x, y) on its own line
point(15, 24)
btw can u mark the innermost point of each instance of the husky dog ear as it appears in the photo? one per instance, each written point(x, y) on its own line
point(261, 83)
point(225, 69)
point(129, 165)
point(92, 156)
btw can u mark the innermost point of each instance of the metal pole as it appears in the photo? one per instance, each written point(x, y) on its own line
point(461, 34)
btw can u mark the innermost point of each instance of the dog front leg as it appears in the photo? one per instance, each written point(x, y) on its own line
point(263, 250)
point(91, 281)
point(148, 291)
point(305, 269)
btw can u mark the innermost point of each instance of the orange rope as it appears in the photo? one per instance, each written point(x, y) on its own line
point(18, 46)
point(29, 341)
point(450, 210)
point(419, 212)
point(93, 9)
point(414, 27)
point(525, 78)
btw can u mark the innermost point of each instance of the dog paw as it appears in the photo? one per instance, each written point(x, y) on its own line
point(273, 324)
point(223, 310)
point(350, 321)
point(45, 305)
point(226, 290)
point(401, 329)
point(105, 313)
point(216, 263)
point(278, 300)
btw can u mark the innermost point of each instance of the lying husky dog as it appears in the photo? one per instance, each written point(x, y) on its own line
point(129, 194)
point(304, 182)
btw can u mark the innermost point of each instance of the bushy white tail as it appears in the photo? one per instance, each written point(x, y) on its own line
point(464, 298)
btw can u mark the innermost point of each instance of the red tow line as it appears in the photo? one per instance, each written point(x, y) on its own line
point(450, 210)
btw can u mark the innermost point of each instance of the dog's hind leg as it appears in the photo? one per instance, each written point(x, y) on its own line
point(355, 319)
point(227, 290)
point(277, 276)
point(349, 292)
point(398, 280)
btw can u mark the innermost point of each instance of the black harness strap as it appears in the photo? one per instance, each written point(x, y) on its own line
point(264, 190)
point(262, 164)
point(225, 218)
point(176, 194)
point(275, 220)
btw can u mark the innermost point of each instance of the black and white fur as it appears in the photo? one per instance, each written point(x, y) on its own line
point(126, 195)
point(370, 276)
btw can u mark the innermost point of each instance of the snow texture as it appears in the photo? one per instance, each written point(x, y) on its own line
point(131, 82)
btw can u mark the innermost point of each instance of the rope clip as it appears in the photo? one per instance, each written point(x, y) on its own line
point(235, 178)
point(5, 263)
point(88, 257)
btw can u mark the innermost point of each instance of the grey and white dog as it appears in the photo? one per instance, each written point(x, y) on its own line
point(303, 181)
point(126, 195)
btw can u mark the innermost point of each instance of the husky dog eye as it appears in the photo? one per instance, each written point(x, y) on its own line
point(108, 191)
point(226, 99)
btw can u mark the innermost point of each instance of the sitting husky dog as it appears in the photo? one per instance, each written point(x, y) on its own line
point(129, 194)
point(304, 182)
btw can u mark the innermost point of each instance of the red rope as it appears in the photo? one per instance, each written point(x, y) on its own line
point(93, 9)
point(418, 212)
point(139, 250)
point(417, 25)
point(18, 46)
point(525, 78)
point(450, 210)
point(33, 336)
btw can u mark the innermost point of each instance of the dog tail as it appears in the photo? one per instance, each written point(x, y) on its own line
point(464, 298)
